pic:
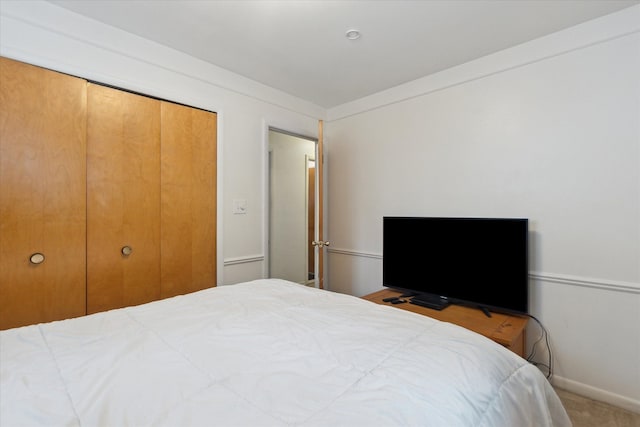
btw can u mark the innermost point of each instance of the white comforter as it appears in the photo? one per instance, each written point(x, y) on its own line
point(265, 353)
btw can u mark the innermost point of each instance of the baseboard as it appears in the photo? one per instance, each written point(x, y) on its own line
point(597, 394)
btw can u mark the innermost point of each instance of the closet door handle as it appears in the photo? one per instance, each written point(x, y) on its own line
point(36, 258)
point(126, 250)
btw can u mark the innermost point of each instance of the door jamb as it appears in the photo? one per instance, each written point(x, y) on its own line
point(266, 195)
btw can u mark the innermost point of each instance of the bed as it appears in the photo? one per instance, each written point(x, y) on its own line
point(266, 353)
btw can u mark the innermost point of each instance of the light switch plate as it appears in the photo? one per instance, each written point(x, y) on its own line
point(239, 206)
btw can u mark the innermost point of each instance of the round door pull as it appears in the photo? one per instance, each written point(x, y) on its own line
point(36, 258)
point(126, 250)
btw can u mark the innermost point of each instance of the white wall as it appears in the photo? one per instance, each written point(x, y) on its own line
point(548, 130)
point(43, 34)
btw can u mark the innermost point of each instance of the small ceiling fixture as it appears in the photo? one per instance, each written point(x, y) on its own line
point(353, 34)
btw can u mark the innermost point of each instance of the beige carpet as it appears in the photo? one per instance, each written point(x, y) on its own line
point(585, 412)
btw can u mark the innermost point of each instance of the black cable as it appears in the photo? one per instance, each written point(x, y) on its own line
point(544, 335)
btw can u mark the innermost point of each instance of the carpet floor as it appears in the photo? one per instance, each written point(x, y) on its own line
point(585, 412)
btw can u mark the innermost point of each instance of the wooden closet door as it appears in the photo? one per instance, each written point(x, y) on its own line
point(123, 199)
point(42, 194)
point(188, 214)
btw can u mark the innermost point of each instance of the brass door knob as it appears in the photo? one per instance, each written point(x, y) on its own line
point(126, 250)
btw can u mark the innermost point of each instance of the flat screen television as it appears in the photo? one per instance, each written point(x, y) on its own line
point(481, 262)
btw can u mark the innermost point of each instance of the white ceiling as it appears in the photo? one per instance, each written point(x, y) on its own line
point(300, 46)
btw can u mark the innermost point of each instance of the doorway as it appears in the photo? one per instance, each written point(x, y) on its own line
point(292, 207)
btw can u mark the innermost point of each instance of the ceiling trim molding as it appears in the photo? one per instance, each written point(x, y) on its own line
point(623, 23)
point(47, 35)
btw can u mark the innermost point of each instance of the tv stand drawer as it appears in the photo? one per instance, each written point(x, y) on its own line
point(504, 329)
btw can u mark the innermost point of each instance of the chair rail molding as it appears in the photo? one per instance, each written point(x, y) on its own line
point(243, 260)
point(565, 279)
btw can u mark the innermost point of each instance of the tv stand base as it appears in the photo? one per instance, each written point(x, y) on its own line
point(435, 302)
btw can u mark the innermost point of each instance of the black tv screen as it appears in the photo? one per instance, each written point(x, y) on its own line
point(474, 261)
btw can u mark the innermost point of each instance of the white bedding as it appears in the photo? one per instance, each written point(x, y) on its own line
point(266, 353)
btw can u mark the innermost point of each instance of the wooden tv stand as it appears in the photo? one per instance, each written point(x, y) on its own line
point(504, 329)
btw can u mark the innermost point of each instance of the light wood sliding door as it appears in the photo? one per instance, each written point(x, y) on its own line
point(123, 199)
point(107, 198)
point(42, 195)
point(188, 212)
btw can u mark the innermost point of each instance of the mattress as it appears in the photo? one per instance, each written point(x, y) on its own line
point(266, 353)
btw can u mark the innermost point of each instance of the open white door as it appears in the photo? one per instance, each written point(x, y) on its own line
point(320, 243)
